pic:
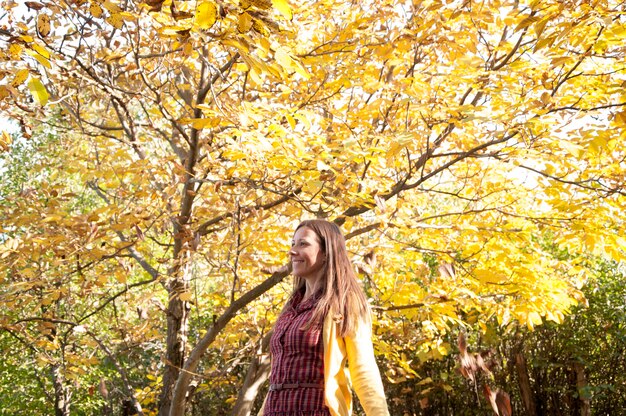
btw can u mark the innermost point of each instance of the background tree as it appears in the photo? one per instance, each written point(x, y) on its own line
point(551, 357)
point(193, 136)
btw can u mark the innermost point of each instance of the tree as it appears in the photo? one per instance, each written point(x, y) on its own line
point(582, 357)
point(567, 369)
point(203, 131)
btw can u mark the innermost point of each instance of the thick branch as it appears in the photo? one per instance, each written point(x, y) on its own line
point(178, 400)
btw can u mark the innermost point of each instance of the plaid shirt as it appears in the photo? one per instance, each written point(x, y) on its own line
point(297, 357)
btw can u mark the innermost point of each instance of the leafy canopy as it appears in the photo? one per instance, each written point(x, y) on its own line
point(194, 135)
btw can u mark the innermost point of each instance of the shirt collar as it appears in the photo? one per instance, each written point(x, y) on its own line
point(298, 305)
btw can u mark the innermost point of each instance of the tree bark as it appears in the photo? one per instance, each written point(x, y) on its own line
point(528, 397)
point(61, 404)
point(177, 328)
point(583, 402)
point(258, 373)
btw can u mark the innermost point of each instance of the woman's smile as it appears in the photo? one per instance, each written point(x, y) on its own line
point(307, 256)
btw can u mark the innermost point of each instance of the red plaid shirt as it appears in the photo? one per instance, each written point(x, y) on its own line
point(297, 357)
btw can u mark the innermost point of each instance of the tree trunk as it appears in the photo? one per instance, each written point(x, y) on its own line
point(184, 241)
point(177, 324)
point(177, 329)
point(526, 391)
point(583, 402)
point(61, 404)
point(258, 373)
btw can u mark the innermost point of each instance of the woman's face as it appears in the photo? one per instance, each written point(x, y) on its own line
point(307, 257)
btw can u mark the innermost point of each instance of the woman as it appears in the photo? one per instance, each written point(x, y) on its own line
point(324, 326)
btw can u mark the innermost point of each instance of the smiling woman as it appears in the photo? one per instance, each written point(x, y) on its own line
point(307, 258)
point(324, 326)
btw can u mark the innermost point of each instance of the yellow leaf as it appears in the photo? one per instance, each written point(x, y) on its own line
point(41, 59)
point(120, 276)
point(542, 43)
point(283, 58)
point(241, 67)
point(427, 380)
point(15, 50)
point(590, 242)
point(241, 46)
point(620, 118)
point(233, 155)
point(115, 20)
point(38, 90)
point(5, 141)
point(617, 32)
point(541, 25)
point(185, 296)
point(206, 15)
point(202, 123)
point(41, 50)
point(52, 218)
point(561, 60)
point(173, 31)
point(286, 61)
point(127, 16)
point(4, 92)
point(95, 10)
point(527, 22)
point(265, 46)
point(554, 317)
point(20, 77)
point(260, 27)
point(283, 7)
point(245, 22)
point(111, 7)
point(43, 25)
point(572, 148)
point(533, 319)
point(261, 4)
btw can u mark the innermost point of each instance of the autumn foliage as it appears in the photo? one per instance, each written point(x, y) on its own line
point(472, 152)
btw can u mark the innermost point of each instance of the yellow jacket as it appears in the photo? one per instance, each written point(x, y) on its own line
point(362, 372)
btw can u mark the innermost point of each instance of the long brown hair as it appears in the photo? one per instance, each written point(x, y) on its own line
point(341, 293)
